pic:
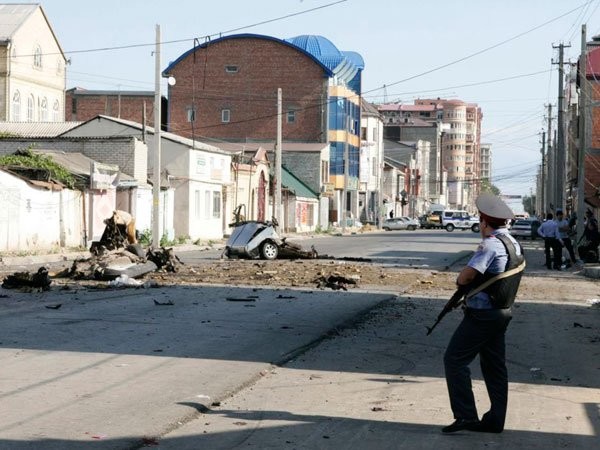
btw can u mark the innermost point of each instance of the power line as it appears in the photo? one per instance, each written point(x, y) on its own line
point(176, 41)
point(479, 52)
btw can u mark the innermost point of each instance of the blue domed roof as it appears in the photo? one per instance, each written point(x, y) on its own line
point(318, 46)
point(345, 65)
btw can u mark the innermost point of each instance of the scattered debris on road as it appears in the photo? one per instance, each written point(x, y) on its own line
point(38, 280)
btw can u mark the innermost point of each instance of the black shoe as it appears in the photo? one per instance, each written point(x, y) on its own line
point(461, 424)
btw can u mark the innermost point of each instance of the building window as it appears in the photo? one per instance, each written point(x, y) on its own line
point(30, 108)
point(37, 57)
point(56, 111)
point(216, 210)
point(324, 171)
point(207, 204)
point(363, 133)
point(74, 105)
point(16, 107)
point(291, 116)
point(225, 115)
point(198, 204)
point(374, 166)
point(231, 69)
point(191, 114)
point(44, 110)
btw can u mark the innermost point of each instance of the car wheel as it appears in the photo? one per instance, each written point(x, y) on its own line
point(269, 250)
point(450, 228)
point(386, 229)
point(475, 228)
point(412, 228)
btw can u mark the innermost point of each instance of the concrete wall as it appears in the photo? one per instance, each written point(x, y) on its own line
point(128, 153)
point(38, 219)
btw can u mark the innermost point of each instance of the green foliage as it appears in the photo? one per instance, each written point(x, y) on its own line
point(28, 159)
point(145, 237)
point(320, 230)
point(529, 204)
point(486, 186)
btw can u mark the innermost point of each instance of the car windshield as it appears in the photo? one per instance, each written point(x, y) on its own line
point(523, 223)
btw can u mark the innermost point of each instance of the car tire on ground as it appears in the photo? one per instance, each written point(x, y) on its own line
point(450, 228)
point(475, 228)
point(412, 227)
point(269, 250)
point(386, 229)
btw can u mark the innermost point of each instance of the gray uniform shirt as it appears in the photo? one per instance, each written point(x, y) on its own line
point(490, 256)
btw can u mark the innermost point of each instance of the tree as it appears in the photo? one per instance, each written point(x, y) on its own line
point(529, 204)
point(486, 186)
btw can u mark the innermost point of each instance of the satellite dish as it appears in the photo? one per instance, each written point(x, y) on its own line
point(171, 81)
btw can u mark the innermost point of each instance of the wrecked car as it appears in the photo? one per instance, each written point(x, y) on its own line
point(254, 239)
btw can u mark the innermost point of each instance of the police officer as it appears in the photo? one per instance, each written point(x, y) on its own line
point(563, 232)
point(493, 275)
point(552, 244)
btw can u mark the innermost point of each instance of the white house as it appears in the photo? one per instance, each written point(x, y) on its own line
point(370, 202)
point(198, 173)
point(32, 66)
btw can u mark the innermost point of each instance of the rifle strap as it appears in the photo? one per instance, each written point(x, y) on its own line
point(508, 273)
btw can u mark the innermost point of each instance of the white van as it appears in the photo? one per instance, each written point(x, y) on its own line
point(455, 218)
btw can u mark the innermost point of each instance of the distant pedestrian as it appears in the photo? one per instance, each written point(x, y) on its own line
point(588, 251)
point(552, 246)
point(564, 230)
point(391, 214)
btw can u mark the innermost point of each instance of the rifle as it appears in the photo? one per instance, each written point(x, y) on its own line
point(454, 301)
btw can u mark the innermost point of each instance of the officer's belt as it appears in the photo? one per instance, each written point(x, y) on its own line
point(506, 274)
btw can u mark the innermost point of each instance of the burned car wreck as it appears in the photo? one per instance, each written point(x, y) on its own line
point(252, 239)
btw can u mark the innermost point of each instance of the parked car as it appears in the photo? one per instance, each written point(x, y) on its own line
point(396, 223)
point(525, 228)
point(413, 224)
point(452, 219)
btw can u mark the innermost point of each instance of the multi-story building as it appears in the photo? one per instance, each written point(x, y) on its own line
point(32, 66)
point(137, 106)
point(371, 164)
point(227, 89)
point(458, 135)
point(485, 162)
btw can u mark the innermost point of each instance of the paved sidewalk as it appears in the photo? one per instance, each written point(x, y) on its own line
point(381, 386)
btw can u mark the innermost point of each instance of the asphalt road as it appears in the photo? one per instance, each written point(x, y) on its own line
point(434, 249)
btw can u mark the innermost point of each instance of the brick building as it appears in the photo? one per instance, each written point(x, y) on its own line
point(227, 89)
point(83, 104)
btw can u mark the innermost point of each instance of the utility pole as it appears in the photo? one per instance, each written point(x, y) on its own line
point(156, 169)
point(278, 158)
point(543, 183)
point(583, 141)
point(560, 149)
point(551, 178)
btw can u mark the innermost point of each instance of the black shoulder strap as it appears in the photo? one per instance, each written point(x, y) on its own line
point(513, 259)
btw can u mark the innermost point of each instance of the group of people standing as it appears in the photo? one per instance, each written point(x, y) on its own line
point(557, 234)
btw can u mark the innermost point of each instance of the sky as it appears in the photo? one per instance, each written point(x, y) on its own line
point(497, 54)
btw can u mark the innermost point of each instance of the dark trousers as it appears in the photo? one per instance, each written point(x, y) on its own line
point(588, 252)
point(569, 246)
point(553, 252)
point(481, 332)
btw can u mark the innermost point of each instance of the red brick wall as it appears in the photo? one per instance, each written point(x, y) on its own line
point(89, 106)
point(250, 94)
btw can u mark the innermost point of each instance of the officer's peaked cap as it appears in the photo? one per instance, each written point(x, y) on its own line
point(492, 206)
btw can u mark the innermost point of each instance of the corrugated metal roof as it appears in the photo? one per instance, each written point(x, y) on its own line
point(36, 129)
point(77, 163)
point(296, 186)
point(194, 144)
point(368, 108)
point(12, 16)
